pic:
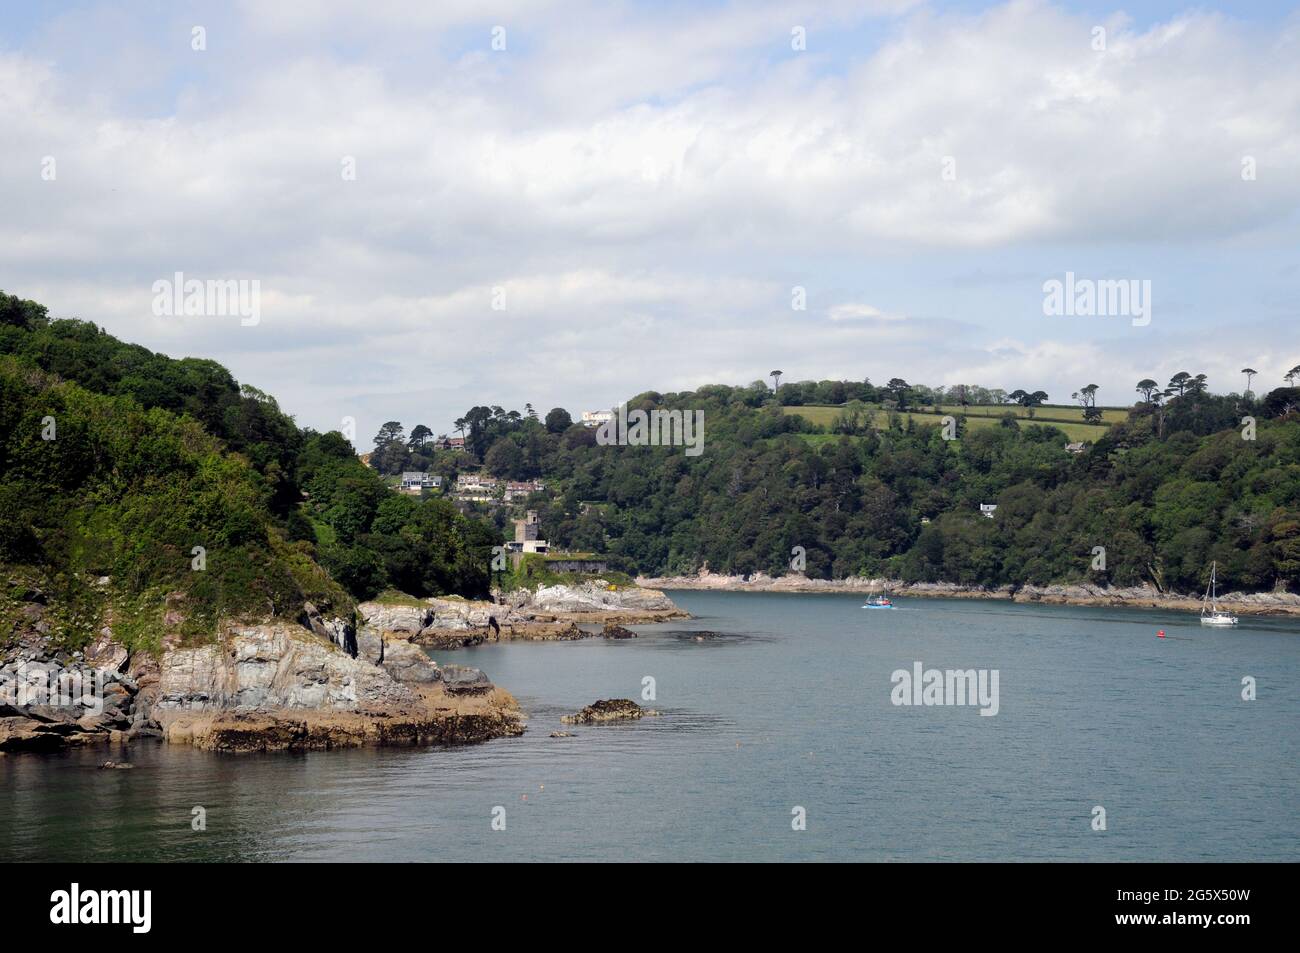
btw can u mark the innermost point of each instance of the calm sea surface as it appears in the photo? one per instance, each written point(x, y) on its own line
point(787, 705)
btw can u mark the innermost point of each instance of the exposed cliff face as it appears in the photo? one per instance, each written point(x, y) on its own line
point(274, 666)
point(278, 687)
point(259, 687)
point(385, 617)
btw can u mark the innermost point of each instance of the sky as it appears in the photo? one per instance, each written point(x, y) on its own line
point(566, 204)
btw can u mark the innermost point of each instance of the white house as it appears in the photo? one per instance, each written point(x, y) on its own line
point(988, 509)
point(413, 482)
point(594, 418)
point(475, 483)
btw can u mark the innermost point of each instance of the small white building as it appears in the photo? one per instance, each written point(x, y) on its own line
point(988, 509)
point(594, 418)
point(413, 482)
point(475, 483)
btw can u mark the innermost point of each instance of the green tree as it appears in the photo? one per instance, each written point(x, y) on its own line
point(388, 433)
point(558, 420)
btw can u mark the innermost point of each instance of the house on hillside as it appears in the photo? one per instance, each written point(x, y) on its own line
point(475, 483)
point(519, 489)
point(988, 509)
point(476, 488)
point(594, 418)
point(449, 443)
point(413, 482)
point(1075, 447)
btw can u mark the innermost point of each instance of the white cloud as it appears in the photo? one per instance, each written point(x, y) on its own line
point(647, 186)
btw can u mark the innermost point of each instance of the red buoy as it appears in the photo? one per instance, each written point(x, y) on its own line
point(1160, 634)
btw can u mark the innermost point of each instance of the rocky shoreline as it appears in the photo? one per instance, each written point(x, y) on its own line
point(550, 614)
point(1137, 597)
point(274, 686)
point(316, 683)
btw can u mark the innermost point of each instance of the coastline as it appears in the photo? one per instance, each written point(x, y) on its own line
point(549, 614)
point(1284, 604)
point(313, 683)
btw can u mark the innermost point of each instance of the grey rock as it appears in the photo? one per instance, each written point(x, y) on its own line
point(462, 680)
point(107, 653)
point(273, 666)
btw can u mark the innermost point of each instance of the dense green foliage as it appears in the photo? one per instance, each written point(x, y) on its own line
point(265, 484)
point(1165, 493)
point(372, 538)
point(105, 503)
point(156, 455)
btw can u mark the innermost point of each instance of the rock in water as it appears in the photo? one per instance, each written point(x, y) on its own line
point(608, 709)
point(462, 680)
point(613, 631)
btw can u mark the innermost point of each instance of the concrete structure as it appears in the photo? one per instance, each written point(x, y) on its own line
point(527, 532)
point(581, 564)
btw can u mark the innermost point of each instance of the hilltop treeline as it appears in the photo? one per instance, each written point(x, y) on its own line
point(150, 456)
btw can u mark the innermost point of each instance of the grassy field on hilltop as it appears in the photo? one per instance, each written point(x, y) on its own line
point(1070, 412)
point(1059, 417)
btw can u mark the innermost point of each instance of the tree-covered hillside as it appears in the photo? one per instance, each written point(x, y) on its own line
point(121, 515)
point(116, 462)
point(1175, 486)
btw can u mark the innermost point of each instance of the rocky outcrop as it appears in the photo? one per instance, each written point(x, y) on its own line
point(612, 631)
point(598, 596)
point(273, 666)
point(462, 680)
point(46, 704)
point(339, 631)
point(265, 687)
point(608, 709)
point(435, 722)
point(277, 687)
point(388, 617)
point(551, 614)
point(403, 660)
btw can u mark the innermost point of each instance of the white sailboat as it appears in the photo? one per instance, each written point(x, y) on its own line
point(1211, 614)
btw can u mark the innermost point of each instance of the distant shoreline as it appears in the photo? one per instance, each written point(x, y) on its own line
point(1285, 604)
